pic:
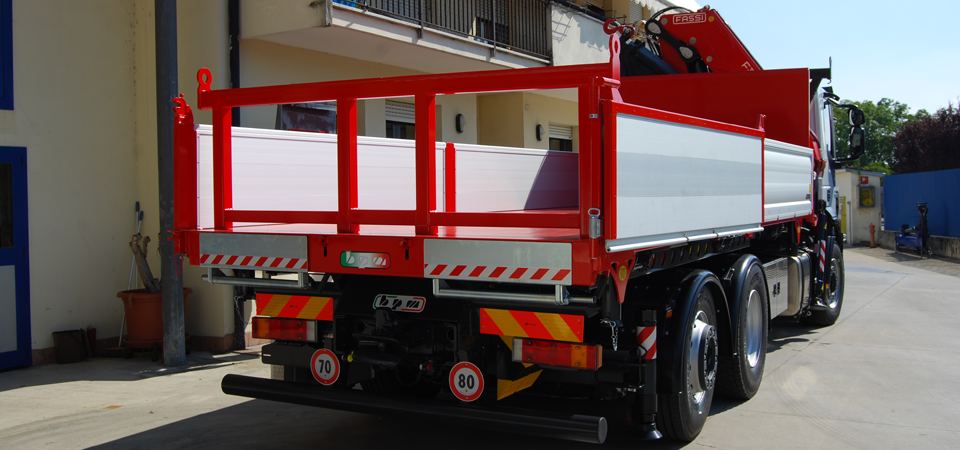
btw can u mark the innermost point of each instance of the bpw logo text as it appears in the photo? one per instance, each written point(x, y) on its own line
point(400, 303)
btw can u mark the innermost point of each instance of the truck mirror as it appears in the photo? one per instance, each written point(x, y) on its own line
point(857, 117)
point(857, 144)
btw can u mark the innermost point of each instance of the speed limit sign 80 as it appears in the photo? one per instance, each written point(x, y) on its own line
point(466, 382)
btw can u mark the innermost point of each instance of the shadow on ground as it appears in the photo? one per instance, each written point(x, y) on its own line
point(263, 424)
point(114, 369)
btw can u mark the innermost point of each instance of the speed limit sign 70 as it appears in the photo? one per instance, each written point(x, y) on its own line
point(466, 382)
point(325, 367)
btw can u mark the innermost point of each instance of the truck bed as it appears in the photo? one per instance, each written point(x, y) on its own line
point(643, 178)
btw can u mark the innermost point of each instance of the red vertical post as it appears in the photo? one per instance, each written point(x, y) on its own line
point(590, 169)
point(426, 161)
point(184, 167)
point(609, 151)
point(347, 164)
point(222, 167)
point(450, 178)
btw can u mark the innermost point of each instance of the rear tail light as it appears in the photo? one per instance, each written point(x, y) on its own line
point(281, 329)
point(561, 354)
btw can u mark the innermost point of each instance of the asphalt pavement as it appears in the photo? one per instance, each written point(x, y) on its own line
point(883, 377)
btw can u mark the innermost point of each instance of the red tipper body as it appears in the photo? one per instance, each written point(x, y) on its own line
point(590, 236)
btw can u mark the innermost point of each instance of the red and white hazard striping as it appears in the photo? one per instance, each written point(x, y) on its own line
point(647, 338)
point(253, 261)
point(823, 256)
point(498, 273)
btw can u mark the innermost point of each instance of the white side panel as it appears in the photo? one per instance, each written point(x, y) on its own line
point(295, 171)
point(787, 181)
point(679, 182)
point(508, 179)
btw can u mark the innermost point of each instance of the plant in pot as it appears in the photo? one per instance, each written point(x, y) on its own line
point(143, 307)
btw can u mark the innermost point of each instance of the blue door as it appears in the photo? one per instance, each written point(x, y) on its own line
point(15, 348)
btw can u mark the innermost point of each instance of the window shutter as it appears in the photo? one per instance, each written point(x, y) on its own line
point(561, 132)
point(400, 111)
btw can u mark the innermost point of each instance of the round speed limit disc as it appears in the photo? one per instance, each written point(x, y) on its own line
point(466, 382)
point(325, 367)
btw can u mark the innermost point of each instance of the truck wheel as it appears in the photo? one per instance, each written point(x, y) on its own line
point(833, 297)
point(740, 375)
point(682, 415)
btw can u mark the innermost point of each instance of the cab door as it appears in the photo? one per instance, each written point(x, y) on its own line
point(15, 348)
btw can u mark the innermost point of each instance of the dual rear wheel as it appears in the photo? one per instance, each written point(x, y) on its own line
point(702, 370)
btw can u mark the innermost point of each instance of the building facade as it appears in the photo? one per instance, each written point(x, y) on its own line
point(82, 121)
point(861, 204)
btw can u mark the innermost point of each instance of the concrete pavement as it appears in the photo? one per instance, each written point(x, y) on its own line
point(883, 377)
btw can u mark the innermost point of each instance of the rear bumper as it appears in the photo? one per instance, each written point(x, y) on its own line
point(564, 426)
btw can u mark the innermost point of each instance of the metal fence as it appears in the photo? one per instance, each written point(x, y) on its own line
point(519, 25)
point(939, 189)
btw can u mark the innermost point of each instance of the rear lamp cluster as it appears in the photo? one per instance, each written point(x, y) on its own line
point(282, 329)
point(560, 354)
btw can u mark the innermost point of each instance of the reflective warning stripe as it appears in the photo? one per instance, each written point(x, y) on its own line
point(823, 256)
point(647, 339)
point(554, 327)
point(208, 260)
point(295, 306)
point(498, 273)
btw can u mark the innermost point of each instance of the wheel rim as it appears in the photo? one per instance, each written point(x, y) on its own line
point(754, 334)
point(836, 284)
point(702, 363)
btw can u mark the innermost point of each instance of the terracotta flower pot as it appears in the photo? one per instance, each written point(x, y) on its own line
point(144, 314)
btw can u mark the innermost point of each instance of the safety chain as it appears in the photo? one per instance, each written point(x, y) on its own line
point(613, 334)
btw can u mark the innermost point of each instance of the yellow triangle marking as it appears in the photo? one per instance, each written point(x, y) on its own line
point(506, 388)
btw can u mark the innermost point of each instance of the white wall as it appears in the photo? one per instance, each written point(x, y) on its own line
point(859, 218)
point(74, 69)
point(577, 39)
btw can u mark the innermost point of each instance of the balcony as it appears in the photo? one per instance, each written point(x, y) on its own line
point(518, 25)
point(425, 36)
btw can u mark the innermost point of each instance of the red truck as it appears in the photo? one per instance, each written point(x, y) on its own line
point(465, 283)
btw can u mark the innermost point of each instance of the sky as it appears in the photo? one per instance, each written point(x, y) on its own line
point(905, 51)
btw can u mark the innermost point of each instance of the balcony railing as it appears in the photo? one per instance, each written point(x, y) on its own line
point(518, 25)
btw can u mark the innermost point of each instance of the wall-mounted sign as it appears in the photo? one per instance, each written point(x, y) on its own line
point(867, 199)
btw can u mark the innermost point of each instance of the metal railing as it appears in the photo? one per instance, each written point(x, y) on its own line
point(519, 25)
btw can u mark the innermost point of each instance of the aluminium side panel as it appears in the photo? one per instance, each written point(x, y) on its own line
point(787, 181)
point(678, 182)
point(493, 178)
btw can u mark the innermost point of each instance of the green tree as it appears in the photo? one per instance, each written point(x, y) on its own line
point(885, 119)
point(932, 142)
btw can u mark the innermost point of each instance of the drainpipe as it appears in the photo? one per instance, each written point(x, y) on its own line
point(171, 283)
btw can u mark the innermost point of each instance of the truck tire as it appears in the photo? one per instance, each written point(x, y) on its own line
point(682, 415)
point(740, 375)
point(833, 297)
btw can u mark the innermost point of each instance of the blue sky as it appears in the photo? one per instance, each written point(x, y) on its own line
point(907, 51)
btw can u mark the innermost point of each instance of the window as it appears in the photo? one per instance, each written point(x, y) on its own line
point(400, 120)
point(400, 130)
point(561, 138)
point(6, 54)
point(6, 205)
point(314, 117)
